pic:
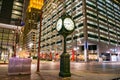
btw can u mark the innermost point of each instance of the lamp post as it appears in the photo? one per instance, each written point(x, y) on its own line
point(16, 41)
point(14, 48)
point(18, 23)
point(38, 59)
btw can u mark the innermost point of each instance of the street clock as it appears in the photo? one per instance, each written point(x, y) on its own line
point(65, 25)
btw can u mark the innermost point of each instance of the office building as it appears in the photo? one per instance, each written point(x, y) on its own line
point(32, 12)
point(31, 42)
point(11, 10)
point(96, 33)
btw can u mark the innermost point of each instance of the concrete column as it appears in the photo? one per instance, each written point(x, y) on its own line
point(85, 31)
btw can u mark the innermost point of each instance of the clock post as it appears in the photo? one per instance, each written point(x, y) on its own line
point(65, 26)
point(64, 62)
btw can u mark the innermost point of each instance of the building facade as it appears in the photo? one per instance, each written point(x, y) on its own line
point(31, 42)
point(32, 12)
point(11, 10)
point(96, 33)
point(29, 30)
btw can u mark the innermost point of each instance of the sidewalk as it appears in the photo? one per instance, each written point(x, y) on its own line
point(53, 75)
point(45, 74)
point(76, 75)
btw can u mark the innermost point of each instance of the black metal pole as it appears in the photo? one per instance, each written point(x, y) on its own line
point(64, 45)
point(64, 62)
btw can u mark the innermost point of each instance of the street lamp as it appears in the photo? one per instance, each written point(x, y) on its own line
point(16, 40)
point(18, 23)
point(39, 42)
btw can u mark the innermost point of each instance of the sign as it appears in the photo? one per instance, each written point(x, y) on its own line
point(86, 45)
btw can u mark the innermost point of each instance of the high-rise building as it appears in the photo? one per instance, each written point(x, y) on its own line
point(31, 42)
point(97, 28)
point(11, 10)
point(32, 13)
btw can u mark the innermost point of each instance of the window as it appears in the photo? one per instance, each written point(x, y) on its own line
point(16, 12)
point(17, 8)
point(92, 24)
point(91, 6)
point(15, 16)
point(104, 38)
point(77, 16)
point(17, 3)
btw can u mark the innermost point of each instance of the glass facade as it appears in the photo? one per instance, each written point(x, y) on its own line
point(7, 41)
point(9, 13)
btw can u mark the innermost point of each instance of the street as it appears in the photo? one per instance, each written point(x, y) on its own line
point(49, 70)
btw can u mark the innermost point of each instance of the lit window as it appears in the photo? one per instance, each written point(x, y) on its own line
point(18, 3)
point(15, 16)
point(17, 7)
point(16, 12)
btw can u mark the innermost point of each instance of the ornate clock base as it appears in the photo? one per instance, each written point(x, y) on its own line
point(65, 65)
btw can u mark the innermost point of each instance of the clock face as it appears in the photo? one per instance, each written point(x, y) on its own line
point(69, 24)
point(59, 25)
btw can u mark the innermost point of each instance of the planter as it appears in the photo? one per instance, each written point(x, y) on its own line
point(18, 66)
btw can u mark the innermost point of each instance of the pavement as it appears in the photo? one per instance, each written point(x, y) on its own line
point(53, 74)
